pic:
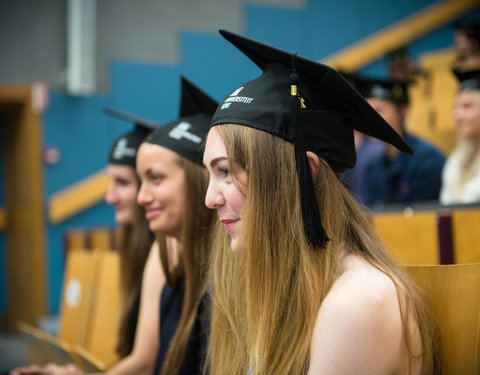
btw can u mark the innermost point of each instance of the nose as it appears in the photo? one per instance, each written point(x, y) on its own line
point(143, 196)
point(214, 197)
point(111, 197)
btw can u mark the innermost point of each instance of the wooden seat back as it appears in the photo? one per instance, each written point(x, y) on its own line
point(453, 292)
point(413, 238)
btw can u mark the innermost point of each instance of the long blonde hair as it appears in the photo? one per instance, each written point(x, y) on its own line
point(193, 263)
point(265, 300)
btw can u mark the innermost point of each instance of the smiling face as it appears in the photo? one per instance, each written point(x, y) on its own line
point(226, 193)
point(467, 115)
point(122, 192)
point(162, 190)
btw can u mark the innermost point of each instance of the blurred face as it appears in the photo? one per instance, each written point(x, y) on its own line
point(223, 192)
point(390, 112)
point(162, 190)
point(463, 43)
point(467, 115)
point(122, 192)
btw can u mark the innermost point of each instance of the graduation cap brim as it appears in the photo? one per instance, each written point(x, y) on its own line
point(325, 79)
point(194, 100)
point(138, 121)
point(124, 149)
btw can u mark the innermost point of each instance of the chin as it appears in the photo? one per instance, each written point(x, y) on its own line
point(236, 246)
point(122, 220)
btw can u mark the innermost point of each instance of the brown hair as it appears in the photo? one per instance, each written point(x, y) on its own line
point(194, 256)
point(134, 246)
point(265, 300)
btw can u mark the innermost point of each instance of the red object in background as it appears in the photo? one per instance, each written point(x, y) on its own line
point(51, 155)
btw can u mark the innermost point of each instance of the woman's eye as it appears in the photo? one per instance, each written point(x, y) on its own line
point(121, 182)
point(224, 171)
point(157, 177)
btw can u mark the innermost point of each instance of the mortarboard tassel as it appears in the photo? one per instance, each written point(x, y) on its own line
point(312, 222)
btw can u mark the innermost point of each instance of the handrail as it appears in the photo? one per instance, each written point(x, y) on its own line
point(78, 197)
point(398, 35)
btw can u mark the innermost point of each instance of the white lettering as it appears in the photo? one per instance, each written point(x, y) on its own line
point(181, 131)
point(122, 150)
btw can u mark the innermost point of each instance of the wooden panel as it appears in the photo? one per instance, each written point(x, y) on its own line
point(88, 362)
point(24, 207)
point(77, 296)
point(75, 239)
point(466, 235)
point(413, 239)
point(440, 59)
point(101, 238)
point(105, 317)
point(453, 292)
point(36, 351)
point(60, 351)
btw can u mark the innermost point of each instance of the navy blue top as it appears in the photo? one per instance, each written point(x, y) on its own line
point(408, 178)
point(170, 310)
point(354, 179)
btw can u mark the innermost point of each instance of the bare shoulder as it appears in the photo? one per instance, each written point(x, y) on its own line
point(358, 328)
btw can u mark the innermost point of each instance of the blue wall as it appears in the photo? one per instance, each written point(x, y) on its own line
point(84, 135)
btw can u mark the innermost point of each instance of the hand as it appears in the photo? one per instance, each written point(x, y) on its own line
point(50, 369)
point(29, 370)
point(70, 369)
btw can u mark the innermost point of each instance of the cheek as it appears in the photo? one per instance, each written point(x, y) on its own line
point(131, 195)
point(236, 199)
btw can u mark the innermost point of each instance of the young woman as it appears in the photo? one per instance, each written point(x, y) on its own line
point(461, 174)
point(172, 326)
point(135, 237)
point(173, 186)
point(301, 281)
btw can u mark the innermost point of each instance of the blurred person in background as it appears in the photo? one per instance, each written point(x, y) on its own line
point(461, 174)
point(466, 39)
point(392, 176)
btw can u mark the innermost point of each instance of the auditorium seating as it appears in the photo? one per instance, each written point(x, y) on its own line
point(412, 238)
point(437, 235)
point(466, 235)
point(453, 293)
point(89, 314)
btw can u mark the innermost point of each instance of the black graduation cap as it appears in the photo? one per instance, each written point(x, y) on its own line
point(186, 134)
point(469, 80)
point(306, 103)
point(124, 149)
point(395, 91)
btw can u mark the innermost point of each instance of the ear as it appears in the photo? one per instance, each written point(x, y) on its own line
point(404, 111)
point(313, 162)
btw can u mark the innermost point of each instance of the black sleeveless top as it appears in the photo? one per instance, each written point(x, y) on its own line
point(129, 325)
point(170, 310)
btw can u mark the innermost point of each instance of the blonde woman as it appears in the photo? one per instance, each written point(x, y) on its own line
point(301, 281)
point(461, 174)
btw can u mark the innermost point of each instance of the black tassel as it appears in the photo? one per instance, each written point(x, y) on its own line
point(312, 222)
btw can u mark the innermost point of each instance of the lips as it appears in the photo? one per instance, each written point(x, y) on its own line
point(229, 224)
point(150, 214)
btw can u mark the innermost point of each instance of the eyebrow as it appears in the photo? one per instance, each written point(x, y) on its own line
point(216, 160)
